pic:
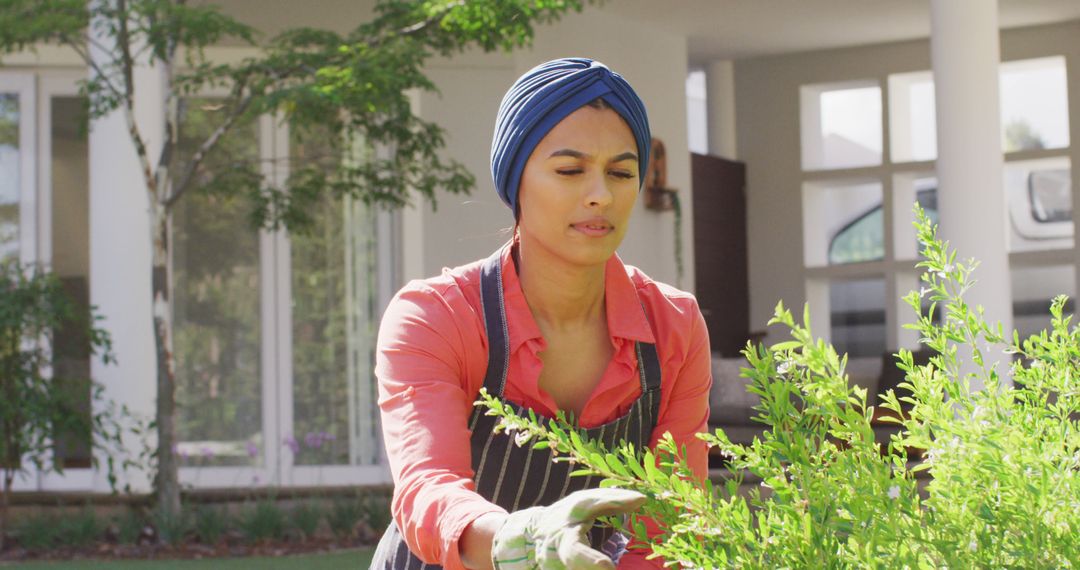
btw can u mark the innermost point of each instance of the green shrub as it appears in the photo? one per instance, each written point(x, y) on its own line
point(306, 517)
point(129, 527)
point(263, 521)
point(1003, 460)
point(171, 527)
point(43, 404)
point(344, 515)
point(210, 523)
point(375, 510)
point(80, 529)
point(38, 532)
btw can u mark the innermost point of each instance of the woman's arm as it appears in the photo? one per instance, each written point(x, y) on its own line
point(475, 542)
point(423, 361)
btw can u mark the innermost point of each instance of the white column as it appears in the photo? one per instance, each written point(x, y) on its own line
point(965, 52)
point(120, 256)
point(720, 92)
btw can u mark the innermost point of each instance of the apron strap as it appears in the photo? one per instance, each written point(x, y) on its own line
point(649, 369)
point(498, 336)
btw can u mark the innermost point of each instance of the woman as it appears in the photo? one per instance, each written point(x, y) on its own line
point(552, 321)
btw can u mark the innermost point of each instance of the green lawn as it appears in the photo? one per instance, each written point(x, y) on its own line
point(352, 560)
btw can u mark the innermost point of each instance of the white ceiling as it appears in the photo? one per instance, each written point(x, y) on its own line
point(715, 29)
point(735, 29)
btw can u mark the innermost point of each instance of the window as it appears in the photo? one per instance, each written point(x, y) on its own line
point(839, 223)
point(841, 126)
point(857, 221)
point(912, 117)
point(274, 332)
point(1034, 105)
point(17, 182)
point(857, 316)
point(1033, 289)
point(697, 116)
point(69, 253)
point(217, 317)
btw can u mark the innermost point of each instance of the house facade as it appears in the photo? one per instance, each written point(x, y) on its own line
point(274, 332)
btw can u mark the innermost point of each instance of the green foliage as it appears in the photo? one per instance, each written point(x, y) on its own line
point(375, 509)
point(129, 527)
point(37, 408)
point(211, 522)
point(351, 87)
point(79, 530)
point(263, 521)
point(305, 518)
point(1003, 460)
point(37, 532)
point(172, 526)
point(343, 517)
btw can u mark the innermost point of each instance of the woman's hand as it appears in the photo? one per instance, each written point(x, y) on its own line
point(556, 537)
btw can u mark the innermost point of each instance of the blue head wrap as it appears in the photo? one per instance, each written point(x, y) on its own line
point(545, 95)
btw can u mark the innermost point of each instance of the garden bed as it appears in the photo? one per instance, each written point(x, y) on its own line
point(213, 524)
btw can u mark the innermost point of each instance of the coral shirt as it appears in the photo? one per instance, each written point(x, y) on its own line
point(430, 364)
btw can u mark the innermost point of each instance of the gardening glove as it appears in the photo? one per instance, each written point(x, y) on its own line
point(556, 537)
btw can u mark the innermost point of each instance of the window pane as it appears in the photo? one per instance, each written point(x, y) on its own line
point(1039, 198)
point(71, 261)
point(1034, 104)
point(697, 126)
point(857, 316)
point(1033, 288)
point(909, 188)
point(841, 126)
point(10, 178)
point(216, 305)
point(842, 223)
point(334, 326)
point(912, 117)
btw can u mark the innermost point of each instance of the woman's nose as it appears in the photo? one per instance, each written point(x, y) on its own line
point(598, 193)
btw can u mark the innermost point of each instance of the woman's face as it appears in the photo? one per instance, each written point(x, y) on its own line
point(579, 187)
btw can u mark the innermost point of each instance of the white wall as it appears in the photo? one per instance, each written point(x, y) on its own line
point(465, 228)
point(767, 107)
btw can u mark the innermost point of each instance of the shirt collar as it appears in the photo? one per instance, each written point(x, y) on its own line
point(625, 314)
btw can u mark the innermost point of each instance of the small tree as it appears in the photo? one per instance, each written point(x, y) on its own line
point(34, 408)
point(350, 88)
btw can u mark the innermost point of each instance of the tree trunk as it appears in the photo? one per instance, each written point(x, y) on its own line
point(5, 501)
point(166, 481)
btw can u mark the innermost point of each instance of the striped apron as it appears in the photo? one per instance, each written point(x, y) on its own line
point(516, 477)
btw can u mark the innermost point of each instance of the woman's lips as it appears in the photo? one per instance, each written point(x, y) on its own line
point(594, 228)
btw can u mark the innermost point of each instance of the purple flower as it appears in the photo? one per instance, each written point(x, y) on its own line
point(313, 440)
point(207, 453)
point(327, 436)
point(252, 449)
point(292, 444)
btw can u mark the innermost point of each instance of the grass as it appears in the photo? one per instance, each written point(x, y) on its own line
point(359, 558)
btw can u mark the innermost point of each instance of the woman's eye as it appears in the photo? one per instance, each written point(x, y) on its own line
point(621, 174)
point(568, 171)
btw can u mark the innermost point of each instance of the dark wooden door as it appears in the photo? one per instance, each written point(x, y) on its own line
point(720, 250)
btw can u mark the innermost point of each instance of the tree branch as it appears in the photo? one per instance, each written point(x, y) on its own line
point(211, 141)
point(86, 57)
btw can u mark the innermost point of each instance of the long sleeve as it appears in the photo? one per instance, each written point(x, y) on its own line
point(422, 362)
